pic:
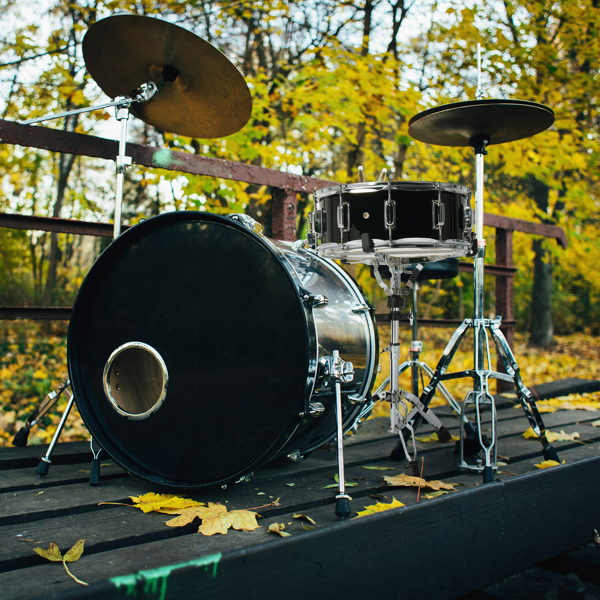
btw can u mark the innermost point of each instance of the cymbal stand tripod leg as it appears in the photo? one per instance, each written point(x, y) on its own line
point(45, 461)
point(523, 393)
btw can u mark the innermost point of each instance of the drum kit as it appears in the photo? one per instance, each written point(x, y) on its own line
point(198, 349)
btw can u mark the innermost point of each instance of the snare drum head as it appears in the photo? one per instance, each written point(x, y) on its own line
point(199, 310)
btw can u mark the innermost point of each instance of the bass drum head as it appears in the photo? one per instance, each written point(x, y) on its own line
point(189, 349)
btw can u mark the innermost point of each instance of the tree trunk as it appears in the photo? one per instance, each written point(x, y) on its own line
point(542, 329)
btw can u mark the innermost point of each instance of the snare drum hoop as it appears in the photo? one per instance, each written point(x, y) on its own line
point(95, 422)
point(380, 186)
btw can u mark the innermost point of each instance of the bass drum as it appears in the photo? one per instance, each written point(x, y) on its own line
point(195, 343)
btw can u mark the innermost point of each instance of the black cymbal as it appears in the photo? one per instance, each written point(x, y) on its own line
point(204, 95)
point(499, 121)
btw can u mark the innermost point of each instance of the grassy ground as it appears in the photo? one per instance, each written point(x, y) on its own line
point(33, 361)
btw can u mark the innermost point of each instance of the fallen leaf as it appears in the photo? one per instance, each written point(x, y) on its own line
point(278, 528)
point(75, 552)
point(435, 494)
point(377, 496)
point(290, 484)
point(596, 423)
point(434, 438)
point(501, 464)
point(53, 554)
point(546, 464)
point(404, 480)
point(39, 493)
point(307, 527)
point(304, 517)
point(347, 483)
point(166, 503)
point(552, 436)
point(379, 507)
point(215, 519)
point(381, 468)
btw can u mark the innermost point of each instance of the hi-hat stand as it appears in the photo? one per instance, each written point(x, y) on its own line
point(479, 124)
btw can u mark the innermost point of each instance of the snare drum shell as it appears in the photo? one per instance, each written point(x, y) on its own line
point(416, 215)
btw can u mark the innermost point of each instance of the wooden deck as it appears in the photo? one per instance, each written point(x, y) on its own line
point(440, 548)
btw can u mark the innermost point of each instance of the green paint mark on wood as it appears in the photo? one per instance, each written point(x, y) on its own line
point(154, 581)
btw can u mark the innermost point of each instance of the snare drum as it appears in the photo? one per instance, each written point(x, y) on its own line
point(195, 343)
point(416, 221)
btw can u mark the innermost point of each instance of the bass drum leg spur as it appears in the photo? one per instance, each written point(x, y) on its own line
point(196, 345)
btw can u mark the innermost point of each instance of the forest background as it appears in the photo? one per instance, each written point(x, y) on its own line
point(334, 84)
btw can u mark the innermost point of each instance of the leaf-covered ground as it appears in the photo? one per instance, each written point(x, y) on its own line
point(33, 361)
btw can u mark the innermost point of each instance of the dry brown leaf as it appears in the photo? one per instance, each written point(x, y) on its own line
point(379, 507)
point(166, 503)
point(278, 528)
point(404, 480)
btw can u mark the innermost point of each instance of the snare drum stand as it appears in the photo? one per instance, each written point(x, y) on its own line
point(480, 397)
point(401, 416)
point(121, 104)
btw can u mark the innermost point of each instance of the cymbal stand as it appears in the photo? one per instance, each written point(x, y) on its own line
point(480, 397)
point(121, 104)
point(402, 414)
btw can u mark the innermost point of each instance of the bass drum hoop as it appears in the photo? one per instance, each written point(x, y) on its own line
point(94, 421)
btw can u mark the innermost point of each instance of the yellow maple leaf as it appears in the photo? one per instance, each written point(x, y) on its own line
point(379, 507)
point(166, 503)
point(215, 519)
point(552, 436)
point(404, 480)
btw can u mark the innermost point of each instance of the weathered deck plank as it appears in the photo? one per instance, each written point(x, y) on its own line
point(502, 526)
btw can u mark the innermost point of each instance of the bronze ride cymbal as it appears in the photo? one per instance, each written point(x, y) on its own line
point(498, 121)
point(204, 96)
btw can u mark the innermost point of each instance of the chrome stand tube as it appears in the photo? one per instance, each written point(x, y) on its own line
point(122, 114)
point(45, 461)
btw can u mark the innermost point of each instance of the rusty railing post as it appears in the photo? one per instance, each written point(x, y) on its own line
point(284, 214)
point(504, 296)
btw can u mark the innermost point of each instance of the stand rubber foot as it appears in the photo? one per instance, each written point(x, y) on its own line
point(443, 435)
point(20, 440)
point(342, 507)
point(95, 472)
point(42, 468)
point(413, 468)
point(550, 453)
point(488, 474)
